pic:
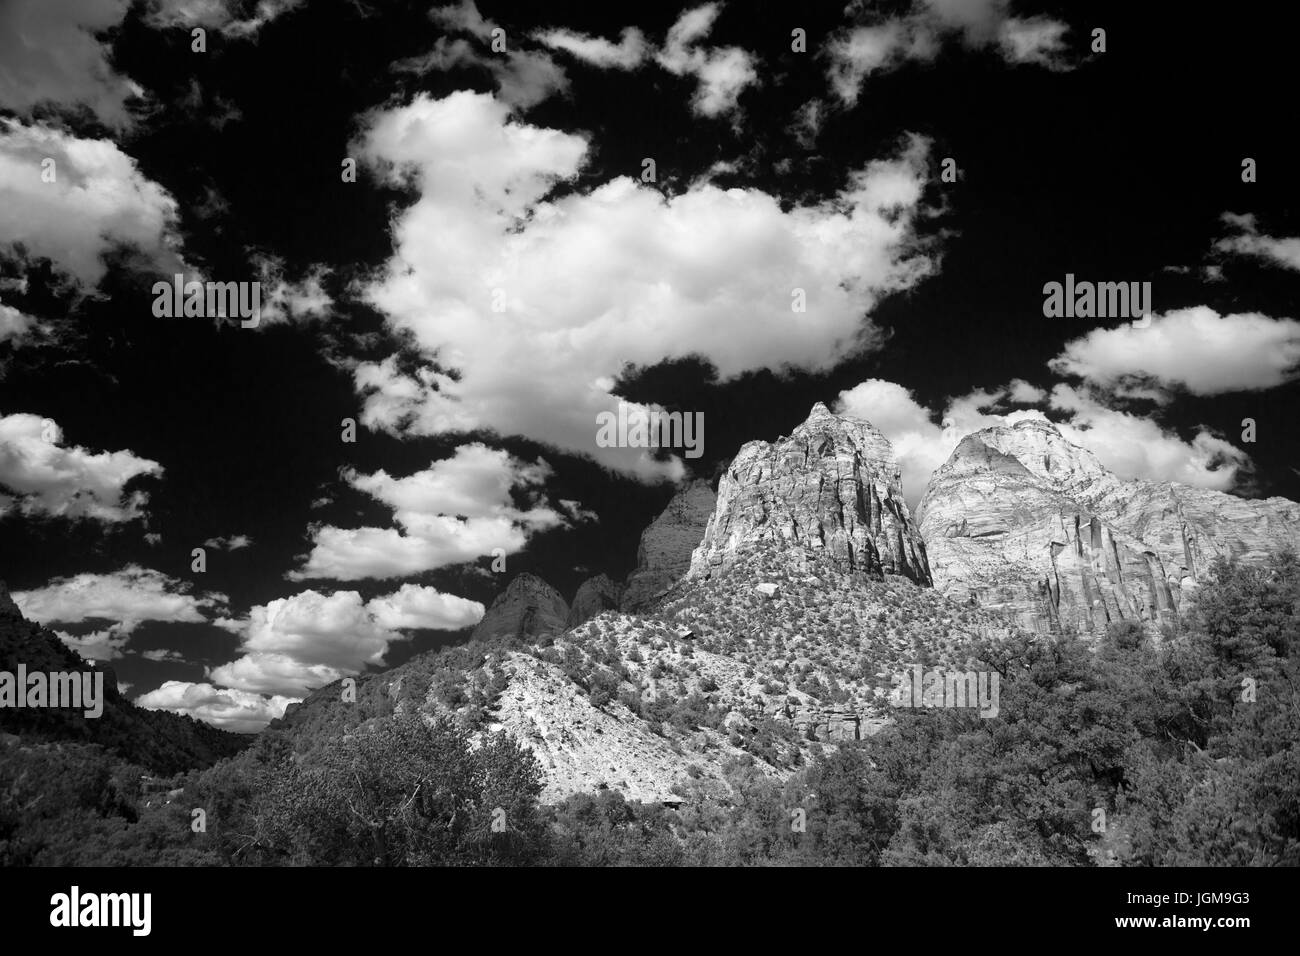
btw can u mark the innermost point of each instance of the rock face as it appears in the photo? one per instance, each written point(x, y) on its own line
point(1022, 520)
point(834, 484)
point(528, 608)
point(594, 596)
point(664, 555)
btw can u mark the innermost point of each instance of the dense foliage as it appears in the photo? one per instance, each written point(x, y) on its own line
point(1138, 751)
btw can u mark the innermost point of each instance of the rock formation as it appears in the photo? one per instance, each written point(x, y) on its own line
point(834, 484)
point(666, 545)
point(1022, 520)
point(527, 608)
point(594, 596)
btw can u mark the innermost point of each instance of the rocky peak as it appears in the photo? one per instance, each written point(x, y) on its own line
point(527, 608)
point(833, 483)
point(1023, 520)
point(594, 596)
point(664, 554)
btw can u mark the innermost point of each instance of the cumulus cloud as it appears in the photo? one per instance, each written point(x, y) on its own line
point(591, 280)
point(48, 478)
point(52, 56)
point(456, 510)
point(413, 606)
point(294, 645)
point(524, 77)
point(127, 598)
point(234, 710)
point(1249, 242)
point(877, 43)
point(1130, 445)
point(721, 73)
point(98, 202)
point(1196, 349)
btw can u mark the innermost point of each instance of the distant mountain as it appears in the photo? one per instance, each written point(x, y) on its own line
point(158, 741)
point(1021, 520)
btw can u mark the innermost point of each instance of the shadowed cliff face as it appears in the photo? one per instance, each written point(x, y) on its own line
point(527, 608)
point(1022, 520)
point(833, 484)
point(666, 545)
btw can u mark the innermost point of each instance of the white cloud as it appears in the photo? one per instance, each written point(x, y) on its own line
point(1196, 348)
point(630, 52)
point(1249, 242)
point(595, 279)
point(413, 606)
point(49, 478)
point(234, 710)
point(920, 443)
point(295, 645)
point(919, 33)
point(1134, 446)
point(285, 301)
point(456, 510)
point(126, 597)
point(14, 325)
point(160, 654)
point(52, 56)
point(1130, 445)
point(722, 73)
point(99, 201)
point(102, 645)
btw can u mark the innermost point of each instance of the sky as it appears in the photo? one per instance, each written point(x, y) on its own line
point(477, 228)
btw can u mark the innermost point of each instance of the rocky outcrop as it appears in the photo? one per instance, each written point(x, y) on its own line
point(594, 596)
point(528, 608)
point(666, 545)
point(833, 484)
point(1022, 520)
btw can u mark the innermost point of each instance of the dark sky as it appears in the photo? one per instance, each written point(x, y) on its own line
point(1117, 167)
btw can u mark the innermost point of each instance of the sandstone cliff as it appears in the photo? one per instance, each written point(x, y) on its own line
point(594, 595)
point(833, 484)
point(527, 608)
point(1022, 520)
point(666, 545)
